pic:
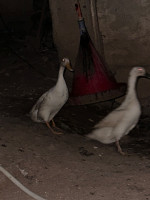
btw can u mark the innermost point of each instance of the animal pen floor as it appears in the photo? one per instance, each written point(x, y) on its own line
point(69, 166)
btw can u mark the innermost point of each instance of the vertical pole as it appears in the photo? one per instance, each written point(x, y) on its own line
point(97, 35)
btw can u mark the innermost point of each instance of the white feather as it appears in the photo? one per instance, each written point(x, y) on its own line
point(124, 118)
point(49, 104)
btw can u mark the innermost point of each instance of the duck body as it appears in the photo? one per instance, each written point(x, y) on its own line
point(123, 119)
point(117, 124)
point(50, 103)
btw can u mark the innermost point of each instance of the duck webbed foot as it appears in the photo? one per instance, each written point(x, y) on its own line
point(54, 126)
point(119, 148)
point(53, 131)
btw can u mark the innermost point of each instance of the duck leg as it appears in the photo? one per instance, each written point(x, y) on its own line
point(54, 125)
point(119, 148)
point(54, 132)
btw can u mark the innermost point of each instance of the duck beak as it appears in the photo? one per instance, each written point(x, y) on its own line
point(68, 66)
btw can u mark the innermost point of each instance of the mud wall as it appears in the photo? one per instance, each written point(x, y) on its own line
point(16, 13)
point(122, 31)
point(65, 25)
point(16, 8)
point(124, 27)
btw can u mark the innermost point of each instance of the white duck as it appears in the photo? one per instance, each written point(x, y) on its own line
point(123, 119)
point(49, 104)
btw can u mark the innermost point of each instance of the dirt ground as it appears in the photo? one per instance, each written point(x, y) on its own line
point(69, 166)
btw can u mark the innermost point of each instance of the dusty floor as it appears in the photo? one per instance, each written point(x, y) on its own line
point(69, 166)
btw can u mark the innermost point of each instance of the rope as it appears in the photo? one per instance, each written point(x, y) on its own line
point(22, 187)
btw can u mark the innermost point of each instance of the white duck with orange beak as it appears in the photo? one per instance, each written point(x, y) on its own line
point(123, 119)
point(49, 104)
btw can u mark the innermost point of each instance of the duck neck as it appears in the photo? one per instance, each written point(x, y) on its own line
point(60, 75)
point(131, 92)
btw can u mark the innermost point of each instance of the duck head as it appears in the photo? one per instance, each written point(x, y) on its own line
point(66, 63)
point(139, 72)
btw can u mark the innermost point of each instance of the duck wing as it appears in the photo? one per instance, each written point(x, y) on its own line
point(52, 103)
point(105, 130)
point(35, 109)
point(103, 134)
point(112, 119)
